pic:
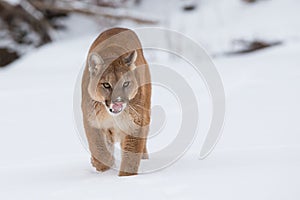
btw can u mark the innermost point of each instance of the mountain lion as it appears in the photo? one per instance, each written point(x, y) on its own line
point(116, 100)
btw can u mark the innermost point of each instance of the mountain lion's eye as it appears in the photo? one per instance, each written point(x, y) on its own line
point(125, 84)
point(106, 85)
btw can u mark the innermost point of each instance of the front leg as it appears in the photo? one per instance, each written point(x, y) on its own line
point(102, 156)
point(132, 152)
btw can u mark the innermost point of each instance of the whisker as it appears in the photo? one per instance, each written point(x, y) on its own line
point(134, 110)
point(142, 107)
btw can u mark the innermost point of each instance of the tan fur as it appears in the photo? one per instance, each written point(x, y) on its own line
point(130, 127)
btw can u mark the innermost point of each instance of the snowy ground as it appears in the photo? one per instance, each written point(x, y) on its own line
point(258, 156)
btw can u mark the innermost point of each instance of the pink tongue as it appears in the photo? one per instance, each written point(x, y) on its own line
point(117, 106)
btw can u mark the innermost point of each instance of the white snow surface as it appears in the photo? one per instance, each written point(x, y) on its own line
point(258, 156)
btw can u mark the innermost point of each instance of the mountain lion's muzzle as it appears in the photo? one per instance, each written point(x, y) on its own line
point(117, 106)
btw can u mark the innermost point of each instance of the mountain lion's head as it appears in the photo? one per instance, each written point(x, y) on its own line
point(113, 82)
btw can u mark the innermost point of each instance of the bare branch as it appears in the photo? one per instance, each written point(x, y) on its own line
point(88, 9)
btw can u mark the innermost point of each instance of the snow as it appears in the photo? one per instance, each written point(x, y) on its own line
point(258, 156)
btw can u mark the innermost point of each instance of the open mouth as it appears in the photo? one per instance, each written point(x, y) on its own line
point(116, 108)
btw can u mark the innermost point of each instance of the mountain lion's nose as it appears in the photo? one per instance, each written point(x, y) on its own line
point(118, 99)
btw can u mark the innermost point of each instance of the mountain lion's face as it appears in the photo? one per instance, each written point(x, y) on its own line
point(113, 84)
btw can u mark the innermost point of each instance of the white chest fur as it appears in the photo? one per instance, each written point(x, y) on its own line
point(121, 124)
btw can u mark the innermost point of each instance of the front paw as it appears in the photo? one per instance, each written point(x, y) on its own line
point(98, 165)
point(121, 173)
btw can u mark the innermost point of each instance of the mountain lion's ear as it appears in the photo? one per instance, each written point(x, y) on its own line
point(95, 63)
point(130, 59)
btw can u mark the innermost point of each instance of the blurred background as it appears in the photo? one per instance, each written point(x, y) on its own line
point(255, 45)
point(222, 27)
